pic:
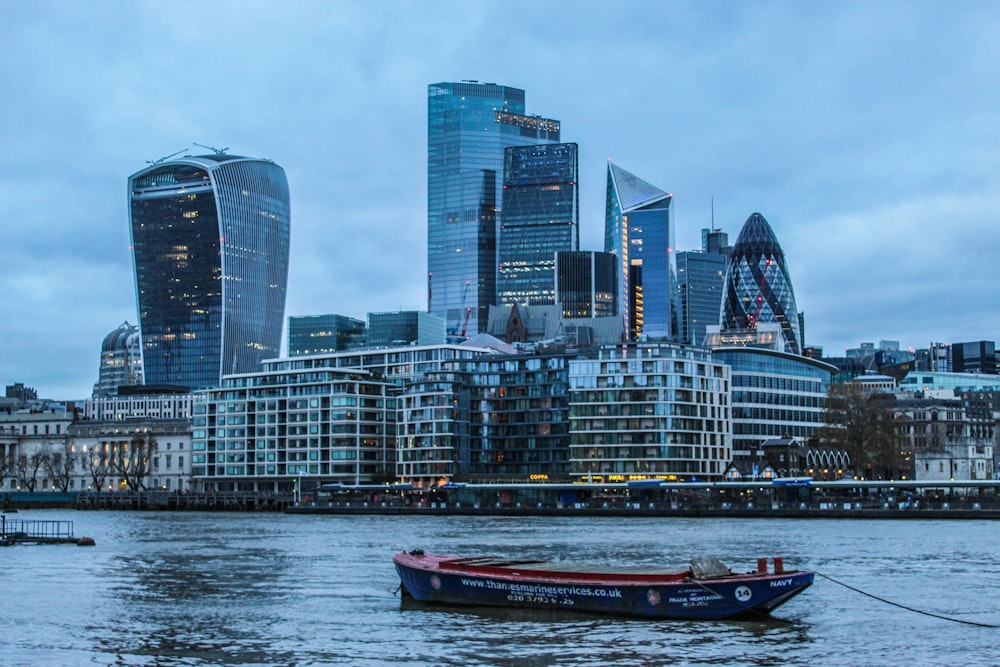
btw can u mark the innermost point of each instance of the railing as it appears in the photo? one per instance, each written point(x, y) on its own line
point(41, 530)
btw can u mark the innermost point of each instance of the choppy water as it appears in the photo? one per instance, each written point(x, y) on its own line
point(265, 589)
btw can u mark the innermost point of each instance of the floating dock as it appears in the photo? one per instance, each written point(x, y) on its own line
point(17, 531)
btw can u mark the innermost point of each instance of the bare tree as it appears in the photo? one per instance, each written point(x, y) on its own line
point(131, 461)
point(861, 423)
point(27, 467)
point(100, 465)
point(8, 466)
point(59, 465)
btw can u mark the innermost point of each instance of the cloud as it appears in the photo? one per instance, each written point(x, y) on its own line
point(864, 134)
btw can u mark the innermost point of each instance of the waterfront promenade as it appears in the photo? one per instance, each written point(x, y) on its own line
point(771, 504)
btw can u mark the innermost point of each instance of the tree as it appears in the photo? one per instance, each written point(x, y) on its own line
point(59, 467)
point(27, 467)
point(8, 466)
point(862, 424)
point(131, 461)
point(100, 465)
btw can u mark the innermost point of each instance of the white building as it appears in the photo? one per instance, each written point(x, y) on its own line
point(649, 411)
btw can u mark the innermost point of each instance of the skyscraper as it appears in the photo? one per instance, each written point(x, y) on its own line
point(758, 286)
point(701, 277)
point(541, 216)
point(210, 240)
point(586, 284)
point(468, 126)
point(638, 229)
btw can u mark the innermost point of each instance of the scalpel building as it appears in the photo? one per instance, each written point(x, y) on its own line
point(210, 238)
point(639, 231)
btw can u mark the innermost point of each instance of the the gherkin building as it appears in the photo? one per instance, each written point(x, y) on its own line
point(758, 287)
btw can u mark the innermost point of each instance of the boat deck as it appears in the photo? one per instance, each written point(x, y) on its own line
point(558, 566)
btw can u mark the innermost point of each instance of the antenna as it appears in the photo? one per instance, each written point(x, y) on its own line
point(217, 151)
point(166, 157)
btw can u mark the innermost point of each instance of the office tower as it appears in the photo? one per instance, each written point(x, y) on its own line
point(404, 327)
point(701, 278)
point(468, 126)
point(321, 334)
point(975, 357)
point(758, 286)
point(638, 228)
point(716, 241)
point(586, 284)
point(210, 251)
point(540, 217)
point(121, 361)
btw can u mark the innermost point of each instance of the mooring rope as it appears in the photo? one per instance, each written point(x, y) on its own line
point(903, 606)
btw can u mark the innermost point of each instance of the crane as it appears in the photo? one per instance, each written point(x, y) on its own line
point(217, 151)
point(465, 322)
point(468, 309)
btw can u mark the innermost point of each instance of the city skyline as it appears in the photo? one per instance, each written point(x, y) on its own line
point(864, 135)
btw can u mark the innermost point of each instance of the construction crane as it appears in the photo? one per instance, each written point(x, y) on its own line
point(165, 157)
point(465, 322)
point(468, 309)
point(217, 151)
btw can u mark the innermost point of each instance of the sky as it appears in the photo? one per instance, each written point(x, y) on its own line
point(867, 134)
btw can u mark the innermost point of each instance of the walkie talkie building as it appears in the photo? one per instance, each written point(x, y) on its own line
point(210, 239)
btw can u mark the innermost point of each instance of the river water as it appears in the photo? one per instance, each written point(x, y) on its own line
point(269, 589)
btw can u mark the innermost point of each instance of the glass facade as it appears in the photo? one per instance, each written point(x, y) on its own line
point(586, 284)
point(210, 241)
point(638, 229)
point(775, 395)
point(404, 327)
point(121, 361)
point(319, 334)
point(758, 286)
point(701, 278)
point(468, 126)
point(540, 217)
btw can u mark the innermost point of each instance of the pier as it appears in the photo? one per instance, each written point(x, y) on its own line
point(17, 531)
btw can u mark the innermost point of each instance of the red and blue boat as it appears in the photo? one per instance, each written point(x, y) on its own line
point(707, 590)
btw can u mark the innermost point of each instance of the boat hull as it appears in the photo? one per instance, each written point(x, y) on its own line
point(432, 579)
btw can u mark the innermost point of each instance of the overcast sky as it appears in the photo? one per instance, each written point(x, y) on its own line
point(866, 133)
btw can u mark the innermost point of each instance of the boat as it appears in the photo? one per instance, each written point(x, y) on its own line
point(707, 590)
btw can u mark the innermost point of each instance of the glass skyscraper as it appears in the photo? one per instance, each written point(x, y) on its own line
point(639, 230)
point(701, 277)
point(586, 284)
point(210, 240)
point(541, 216)
point(758, 286)
point(468, 126)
